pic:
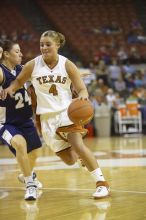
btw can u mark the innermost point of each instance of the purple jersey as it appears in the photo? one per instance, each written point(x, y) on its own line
point(16, 114)
point(18, 109)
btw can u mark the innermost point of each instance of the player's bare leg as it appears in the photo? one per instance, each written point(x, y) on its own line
point(102, 188)
point(19, 144)
point(32, 161)
point(68, 155)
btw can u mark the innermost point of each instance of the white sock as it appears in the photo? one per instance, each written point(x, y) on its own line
point(97, 175)
point(28, 179)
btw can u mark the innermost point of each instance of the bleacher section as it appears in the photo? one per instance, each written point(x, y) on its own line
point(81, 20)
point(11, 19)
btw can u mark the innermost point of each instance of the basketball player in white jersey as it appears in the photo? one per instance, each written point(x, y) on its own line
point(51, 75)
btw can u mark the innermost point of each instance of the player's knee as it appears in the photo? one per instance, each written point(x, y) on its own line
point(69, 159)
point(18, 143)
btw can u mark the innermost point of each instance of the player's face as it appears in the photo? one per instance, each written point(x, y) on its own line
point(48, 48)
point(14, 55)
point(1, 51)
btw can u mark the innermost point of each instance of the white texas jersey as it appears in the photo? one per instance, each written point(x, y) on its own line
point(52, 86)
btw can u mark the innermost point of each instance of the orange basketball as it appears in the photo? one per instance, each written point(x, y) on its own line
point(80, 111)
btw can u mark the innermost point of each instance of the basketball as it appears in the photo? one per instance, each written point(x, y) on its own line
point(80, 111)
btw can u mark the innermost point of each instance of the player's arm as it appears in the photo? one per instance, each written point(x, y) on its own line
point(24, 76)
point(76, 79)
point(37, 122)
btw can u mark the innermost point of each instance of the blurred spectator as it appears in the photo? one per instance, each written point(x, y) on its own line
point(111, 98)
point(128, 68)
point(101, 85)
point(142, 102)
point(115, 28)
point(112, 43)
point(106, 29)
point(115, 72)
point(4, 35)
point(120, 86)
point(99, 98)
point(136, 25)
point(25, 35)
point(122, 55)
point(112, 28)
point(136, 37)
point(102, 54)
point(134, 55)
point(140, 92)
point(132, 37)
point(141, 38)
point(143, 71)
point(93, 69)
point(102, 71)
point(96, 30)
point(119, 100)
point(132, 96)
point(130, 85)
point(138, 81)
point(14, 36)
point(92, 87)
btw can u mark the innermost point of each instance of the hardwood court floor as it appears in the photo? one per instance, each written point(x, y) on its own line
point(67, 192)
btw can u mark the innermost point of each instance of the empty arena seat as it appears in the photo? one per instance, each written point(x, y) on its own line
point(128, 118)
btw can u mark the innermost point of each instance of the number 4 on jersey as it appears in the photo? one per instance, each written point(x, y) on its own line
point(53, 90)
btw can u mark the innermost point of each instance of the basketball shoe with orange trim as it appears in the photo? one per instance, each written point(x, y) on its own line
point(102, 190)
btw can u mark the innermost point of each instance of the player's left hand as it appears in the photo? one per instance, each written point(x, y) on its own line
point(5, 92)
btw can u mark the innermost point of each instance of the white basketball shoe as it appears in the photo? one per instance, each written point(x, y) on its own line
point(102, 190)
point(36, 181)
point(31, 191)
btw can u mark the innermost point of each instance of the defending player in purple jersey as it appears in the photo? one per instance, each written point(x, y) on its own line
point(17, 129)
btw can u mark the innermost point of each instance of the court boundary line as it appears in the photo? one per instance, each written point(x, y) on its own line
point(111, 162)
point(73, 189)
